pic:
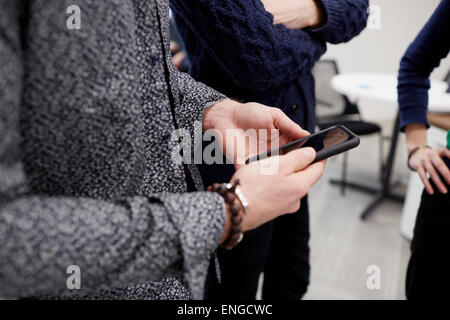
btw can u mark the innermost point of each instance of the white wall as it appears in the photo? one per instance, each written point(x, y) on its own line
point(381, 50)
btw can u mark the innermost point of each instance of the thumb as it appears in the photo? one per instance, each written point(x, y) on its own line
point(288, 127)
point(238, 165)
point(297, 160)
point(239, 161)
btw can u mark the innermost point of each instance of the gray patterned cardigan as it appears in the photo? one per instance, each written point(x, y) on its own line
point(86, 176)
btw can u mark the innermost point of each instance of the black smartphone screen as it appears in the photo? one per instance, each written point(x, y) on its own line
point(320, 141)
point(327, 143)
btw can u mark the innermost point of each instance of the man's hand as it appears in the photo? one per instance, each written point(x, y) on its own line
point(178, 59)
point(296, 14)
point(270, 196)
point(245, 130)
point(178, 55)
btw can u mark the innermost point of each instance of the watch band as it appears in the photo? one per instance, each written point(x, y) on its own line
point(240, 196)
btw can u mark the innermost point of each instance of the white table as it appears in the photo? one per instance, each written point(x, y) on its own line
point(383, 88)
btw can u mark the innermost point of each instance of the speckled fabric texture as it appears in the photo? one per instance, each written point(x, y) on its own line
point(86, 176)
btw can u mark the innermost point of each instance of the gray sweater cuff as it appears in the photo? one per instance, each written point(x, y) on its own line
point(200, 224)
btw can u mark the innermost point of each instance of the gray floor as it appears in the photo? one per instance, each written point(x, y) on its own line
point(343, 246)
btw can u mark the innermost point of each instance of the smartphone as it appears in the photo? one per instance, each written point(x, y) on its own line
point(327, 143)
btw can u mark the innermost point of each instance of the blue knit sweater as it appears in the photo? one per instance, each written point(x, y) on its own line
point(234, 47)
point(422, 57)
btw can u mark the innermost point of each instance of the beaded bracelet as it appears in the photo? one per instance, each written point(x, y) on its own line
point(237, 205)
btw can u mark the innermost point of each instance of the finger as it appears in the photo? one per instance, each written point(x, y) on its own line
point(238, 165)
point(236, 147)
point(177, 60)
point(423, 176)
point(435, 177)
point(288, 127)
point(442, 168)
point(241, 158)
point(248, 146)
point(174, 46)
point(444, 153)
point(288, 164)
point(297, 160)
point(306, 178)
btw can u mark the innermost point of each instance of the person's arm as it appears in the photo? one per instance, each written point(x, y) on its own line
point(115, 243)
point(422, 57)
point(124, 241)
point(251, 51)
point(297, 14)
point(345, 19)
point(335, 21)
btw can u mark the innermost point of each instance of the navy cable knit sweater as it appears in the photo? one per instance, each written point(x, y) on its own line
point(234, 47)
point(422, 57)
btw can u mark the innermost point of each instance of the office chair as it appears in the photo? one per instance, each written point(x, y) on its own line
point(333, 108)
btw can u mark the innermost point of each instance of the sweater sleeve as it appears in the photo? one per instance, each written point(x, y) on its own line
point(241, 37)
point(345, 20)
point(191, 97)
point(422, 57)
point(115, 243)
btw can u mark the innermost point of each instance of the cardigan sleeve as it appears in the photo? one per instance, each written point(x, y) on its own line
point(115, 243)
point(422, 57)
point(345, 20)
point(191, 97)
point(240, 36)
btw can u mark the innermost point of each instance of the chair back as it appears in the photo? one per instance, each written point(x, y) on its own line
point(329, 103)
